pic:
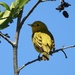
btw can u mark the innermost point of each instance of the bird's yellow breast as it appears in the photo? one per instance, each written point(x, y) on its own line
point(42, 42)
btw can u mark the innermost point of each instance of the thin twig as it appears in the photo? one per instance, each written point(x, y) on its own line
point(6, 38)
point(40, 58)
point(48, 0)
point(19, 17)
point(23, 20)
point(62, 49)
point(64, 53)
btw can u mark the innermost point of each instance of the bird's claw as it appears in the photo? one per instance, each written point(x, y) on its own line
point(39, 58)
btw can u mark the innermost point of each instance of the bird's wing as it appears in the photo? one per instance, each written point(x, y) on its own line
point(37, 41)
point(42, 42)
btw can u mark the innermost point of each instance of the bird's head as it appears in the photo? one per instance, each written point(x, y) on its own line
point(38, 26)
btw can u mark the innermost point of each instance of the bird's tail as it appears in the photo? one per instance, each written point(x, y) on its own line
point(45, 56)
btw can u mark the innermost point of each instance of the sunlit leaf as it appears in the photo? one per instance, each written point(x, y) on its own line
point(1, 14)
point(17, 6)
point(13, 5)
point(13, 9)
point(21, 3)
point(7, 18)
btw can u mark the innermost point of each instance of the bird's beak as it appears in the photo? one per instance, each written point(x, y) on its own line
point(30, 25)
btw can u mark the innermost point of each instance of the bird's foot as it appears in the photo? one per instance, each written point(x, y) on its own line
point(39, 57)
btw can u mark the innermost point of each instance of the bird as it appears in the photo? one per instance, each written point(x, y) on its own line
point(42, 39)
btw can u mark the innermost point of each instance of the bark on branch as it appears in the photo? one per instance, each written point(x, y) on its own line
point(6, 38)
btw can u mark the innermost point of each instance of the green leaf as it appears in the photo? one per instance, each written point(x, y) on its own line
point(21, 3)
point(13, 5)
point(7, 18)
point(5, 5)
point(1, 14)
point(16, 7)
point(10, 12)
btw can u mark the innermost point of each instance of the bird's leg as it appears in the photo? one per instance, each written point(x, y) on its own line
point(39, 57)
point(54, 48)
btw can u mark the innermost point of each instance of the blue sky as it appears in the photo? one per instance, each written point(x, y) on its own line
point(63, 30)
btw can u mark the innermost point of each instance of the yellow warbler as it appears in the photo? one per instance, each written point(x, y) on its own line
point(42, 39)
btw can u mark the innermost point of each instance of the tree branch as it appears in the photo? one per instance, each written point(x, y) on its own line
point(15, 47)
point(19, 17)
point(48, 0)
point(23, 20)
point(6, 38)
point(63, 48)
point(40, 58)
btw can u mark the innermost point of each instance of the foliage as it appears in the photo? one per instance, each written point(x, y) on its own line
point(10, 12)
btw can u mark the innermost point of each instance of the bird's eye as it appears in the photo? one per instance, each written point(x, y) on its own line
point(37, 24)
